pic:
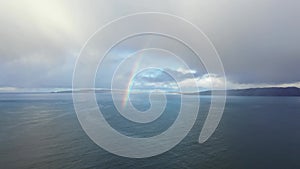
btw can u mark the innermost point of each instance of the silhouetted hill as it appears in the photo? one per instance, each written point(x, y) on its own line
point(272, 91)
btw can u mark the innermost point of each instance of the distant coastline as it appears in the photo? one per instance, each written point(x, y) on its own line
point(270, 91)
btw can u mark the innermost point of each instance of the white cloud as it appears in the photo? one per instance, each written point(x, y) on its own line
point(186, 71)
point(213, 81)
point(205, 82)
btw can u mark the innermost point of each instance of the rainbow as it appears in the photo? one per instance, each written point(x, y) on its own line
point(129, 85)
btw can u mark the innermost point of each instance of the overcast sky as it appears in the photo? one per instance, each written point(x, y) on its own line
point(257, 40)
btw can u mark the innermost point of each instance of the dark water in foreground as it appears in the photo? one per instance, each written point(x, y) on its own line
point(42, 131)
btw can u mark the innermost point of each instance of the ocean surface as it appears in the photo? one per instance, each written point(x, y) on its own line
point(42, 131)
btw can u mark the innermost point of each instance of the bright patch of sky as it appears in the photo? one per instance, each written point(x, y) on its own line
point(154, 79)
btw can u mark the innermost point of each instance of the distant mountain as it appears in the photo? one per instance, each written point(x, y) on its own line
point(271, 91)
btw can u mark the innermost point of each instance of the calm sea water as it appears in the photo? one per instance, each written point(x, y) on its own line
point(42, 131)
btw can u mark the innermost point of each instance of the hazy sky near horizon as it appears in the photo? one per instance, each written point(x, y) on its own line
point(257, 40)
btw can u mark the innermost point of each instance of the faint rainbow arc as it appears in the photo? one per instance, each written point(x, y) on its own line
point(132, 74)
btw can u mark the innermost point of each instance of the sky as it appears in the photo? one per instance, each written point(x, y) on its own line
point(257, 40)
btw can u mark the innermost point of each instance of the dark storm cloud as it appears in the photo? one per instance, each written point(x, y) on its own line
point(258, 41)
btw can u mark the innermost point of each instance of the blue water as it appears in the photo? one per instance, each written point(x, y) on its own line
point(42, 131)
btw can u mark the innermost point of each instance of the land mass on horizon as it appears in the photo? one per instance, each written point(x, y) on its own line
point(269, 91)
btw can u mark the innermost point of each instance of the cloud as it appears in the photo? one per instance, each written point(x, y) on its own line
point(151, 79)
point(215, 82)
point(40, 40)
point(204, 82)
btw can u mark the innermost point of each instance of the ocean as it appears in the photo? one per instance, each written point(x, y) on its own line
point(42, 131)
